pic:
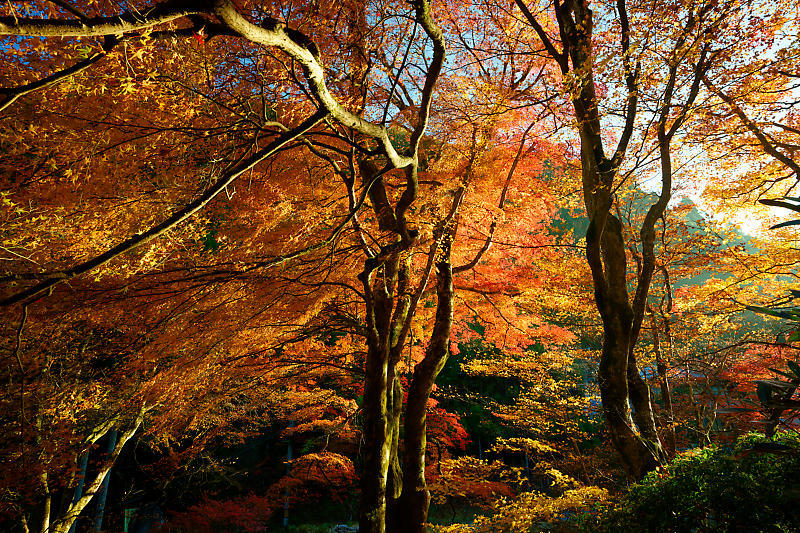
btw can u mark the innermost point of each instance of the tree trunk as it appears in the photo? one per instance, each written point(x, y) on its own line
point(379, 279)
point(389, 301)
point(394, 481)
point(103, 492)
point(83, 461)
point(618, 375)
point(48, 499)
point(64, 522)
point(377, 439)
point(415, 499)
point(383, 394)
point(666, 392)
point(643, 416)
point(288, 471)
point(614, 393)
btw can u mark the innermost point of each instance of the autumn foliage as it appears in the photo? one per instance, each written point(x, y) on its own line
point(474, 257)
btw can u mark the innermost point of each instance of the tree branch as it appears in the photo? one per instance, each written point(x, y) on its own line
point(766, 144)
point(15, 92)
point(306, 53)
point(98, 26)
point(490, 237)
point(558, 57)
point(54, 278)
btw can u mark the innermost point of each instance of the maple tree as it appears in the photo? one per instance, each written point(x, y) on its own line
point(304, 209)
point(385, 268)
point(648, 71)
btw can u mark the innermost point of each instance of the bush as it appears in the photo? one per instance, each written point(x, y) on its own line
point(752, 486)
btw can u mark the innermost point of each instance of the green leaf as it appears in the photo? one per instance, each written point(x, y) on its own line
point(84, 51)
point(794, 336)
point(795, 368)
point(781, 338)
point(210, 243)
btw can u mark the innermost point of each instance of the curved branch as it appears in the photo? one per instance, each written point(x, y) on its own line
point(424, 19)
point(305, 52)
point(631, 84)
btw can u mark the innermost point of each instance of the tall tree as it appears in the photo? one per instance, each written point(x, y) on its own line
point(385, 277)
point(646, 45)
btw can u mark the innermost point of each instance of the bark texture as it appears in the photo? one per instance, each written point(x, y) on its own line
point(415, 498)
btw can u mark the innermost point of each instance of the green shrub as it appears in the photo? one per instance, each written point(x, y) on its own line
point(752, 486)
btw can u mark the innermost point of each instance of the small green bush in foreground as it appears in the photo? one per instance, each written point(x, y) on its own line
point(752, 486)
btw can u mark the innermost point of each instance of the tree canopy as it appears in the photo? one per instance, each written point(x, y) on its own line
point(434, 251)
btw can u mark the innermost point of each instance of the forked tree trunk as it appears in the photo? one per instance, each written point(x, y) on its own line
point(621, 384)
point(633, 431)
point(388, 305)
point(605, 245)
point(617, 369)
